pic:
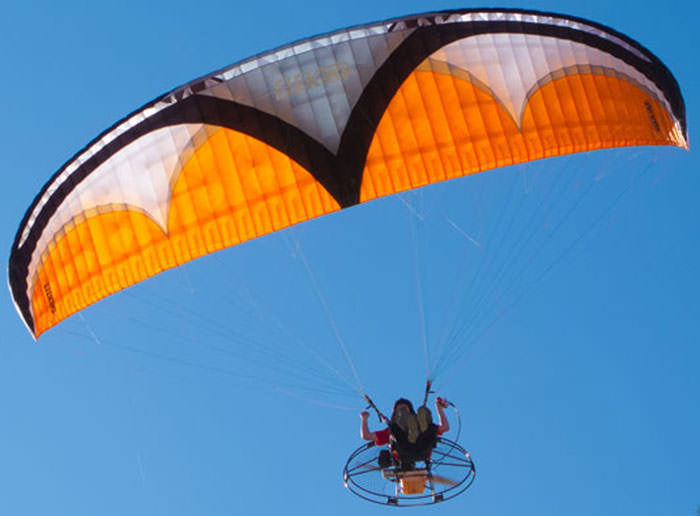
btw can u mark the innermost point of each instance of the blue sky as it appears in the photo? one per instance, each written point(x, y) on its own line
point(211, 389)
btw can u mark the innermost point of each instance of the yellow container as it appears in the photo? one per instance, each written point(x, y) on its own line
point(413, 485)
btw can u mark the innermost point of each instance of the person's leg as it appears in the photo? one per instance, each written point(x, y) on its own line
point(426, 442)
point(409, 424)
point(425, 418)
point(402, 447)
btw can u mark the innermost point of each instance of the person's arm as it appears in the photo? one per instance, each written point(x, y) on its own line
point(364, 428)
point(440, 405)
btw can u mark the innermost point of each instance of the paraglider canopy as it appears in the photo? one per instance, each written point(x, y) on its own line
point(324, 124)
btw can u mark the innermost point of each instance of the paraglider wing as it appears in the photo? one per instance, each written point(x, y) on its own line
point(324, 124)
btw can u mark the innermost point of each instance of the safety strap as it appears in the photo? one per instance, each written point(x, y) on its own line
point(371, 405)
point(428, 392)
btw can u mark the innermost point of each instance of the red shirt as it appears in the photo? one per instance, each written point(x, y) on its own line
point(381, 437)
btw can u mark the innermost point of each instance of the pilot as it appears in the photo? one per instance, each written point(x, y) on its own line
point(410, 435)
